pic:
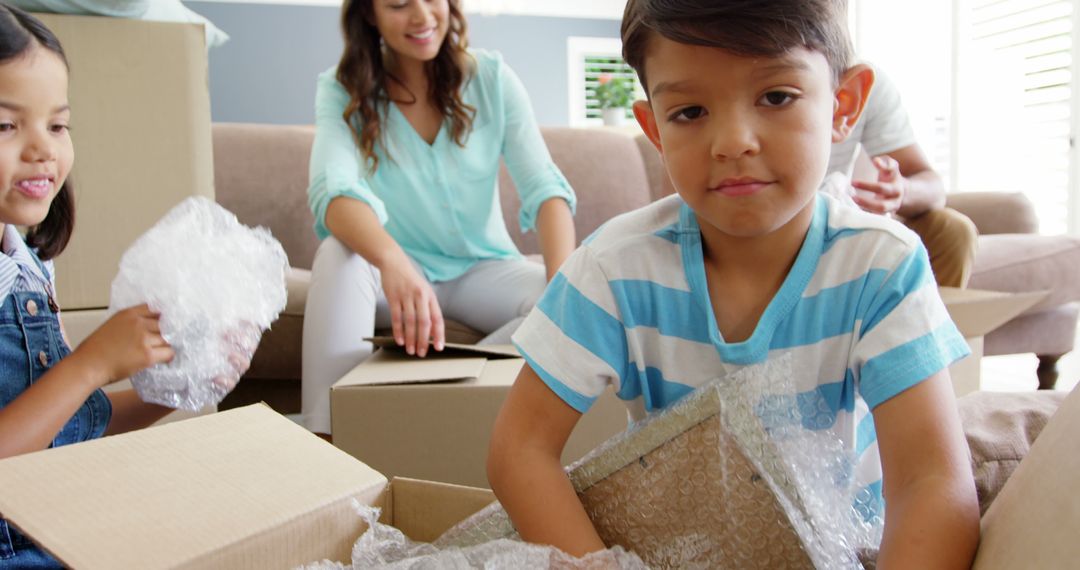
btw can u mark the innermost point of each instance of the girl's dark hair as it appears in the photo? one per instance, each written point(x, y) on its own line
point(743, 27)
point(19, 34)
point(362, 72)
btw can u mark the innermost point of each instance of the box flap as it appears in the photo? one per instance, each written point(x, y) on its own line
point(1032, 523)
point(423, 510)
point(452, 350)
point(977, 312)
point(246, 488)
point(394, 367)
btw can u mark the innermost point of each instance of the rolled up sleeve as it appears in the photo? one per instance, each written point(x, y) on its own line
point(536, 177)
point(336, 168)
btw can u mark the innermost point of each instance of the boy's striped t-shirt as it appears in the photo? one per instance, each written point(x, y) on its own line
point(859, 313)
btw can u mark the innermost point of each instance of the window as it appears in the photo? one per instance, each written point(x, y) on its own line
point(988, 87)
point(1014, 104)
point(921, 70)
point(588, 59)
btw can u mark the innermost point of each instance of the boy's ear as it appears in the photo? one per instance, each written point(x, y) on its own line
point(644, 114)
point(851, 97)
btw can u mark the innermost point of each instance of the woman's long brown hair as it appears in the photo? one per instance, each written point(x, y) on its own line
point(362, 72)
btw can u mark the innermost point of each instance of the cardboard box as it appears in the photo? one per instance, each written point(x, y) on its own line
point(431, 418)
point(976, 313)
point(245, 488)
point(141, 126)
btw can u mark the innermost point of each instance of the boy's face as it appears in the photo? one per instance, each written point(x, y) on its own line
point(746, 140)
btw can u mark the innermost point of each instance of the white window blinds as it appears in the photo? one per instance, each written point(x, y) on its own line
point(1015, 102)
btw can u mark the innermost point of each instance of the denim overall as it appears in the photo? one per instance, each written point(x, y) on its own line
point(30, 344)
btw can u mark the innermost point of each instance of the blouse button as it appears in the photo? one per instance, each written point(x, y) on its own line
point(43, 358)
point(31, 307)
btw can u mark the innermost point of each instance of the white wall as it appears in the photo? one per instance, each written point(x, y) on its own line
point(606, 9)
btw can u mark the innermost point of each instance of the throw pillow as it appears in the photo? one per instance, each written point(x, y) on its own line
point(175, 11)
point(159, 10)
point(115, 8)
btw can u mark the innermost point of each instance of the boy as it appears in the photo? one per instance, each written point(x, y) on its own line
point(747, 262)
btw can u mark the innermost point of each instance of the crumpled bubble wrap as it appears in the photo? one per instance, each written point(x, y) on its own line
point(387, 548)
point(217, 284)
point(726, 478)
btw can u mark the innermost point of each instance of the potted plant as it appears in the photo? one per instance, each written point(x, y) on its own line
point(614, 95)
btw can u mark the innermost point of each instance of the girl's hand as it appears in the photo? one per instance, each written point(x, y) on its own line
point(127, 343)
point(241, 343)
point(414, 310)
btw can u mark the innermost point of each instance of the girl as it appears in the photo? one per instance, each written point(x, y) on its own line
point(410, 127)
point(50, 396)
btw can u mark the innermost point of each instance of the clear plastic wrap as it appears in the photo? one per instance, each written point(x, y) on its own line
point(387, 548)
point(217, 284)
point(726, 478)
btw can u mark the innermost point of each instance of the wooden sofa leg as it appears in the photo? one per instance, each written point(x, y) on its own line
point(1047, 371)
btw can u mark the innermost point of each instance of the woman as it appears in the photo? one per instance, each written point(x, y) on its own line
point(410, 128)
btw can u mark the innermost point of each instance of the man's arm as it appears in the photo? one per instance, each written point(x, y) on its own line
point(931, 509)
point(906, 184)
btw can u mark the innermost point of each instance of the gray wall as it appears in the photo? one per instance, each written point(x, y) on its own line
point(266, 72)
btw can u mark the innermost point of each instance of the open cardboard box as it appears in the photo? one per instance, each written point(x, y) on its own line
point(977, 312)
point(444, 405)
point(246, 488)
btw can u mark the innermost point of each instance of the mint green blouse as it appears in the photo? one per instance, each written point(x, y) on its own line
point(439, 201)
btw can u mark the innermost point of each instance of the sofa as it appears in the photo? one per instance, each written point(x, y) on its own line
point(260, 174)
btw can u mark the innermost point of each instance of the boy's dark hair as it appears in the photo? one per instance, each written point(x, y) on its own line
point(19, 34)
point(743, 27)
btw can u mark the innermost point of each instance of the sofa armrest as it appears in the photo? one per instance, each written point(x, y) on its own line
point(996, 212)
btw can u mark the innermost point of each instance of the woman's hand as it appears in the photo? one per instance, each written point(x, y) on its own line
point(414, 310)
point(127, 343)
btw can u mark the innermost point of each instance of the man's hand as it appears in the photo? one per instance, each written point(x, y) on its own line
point(887, 194)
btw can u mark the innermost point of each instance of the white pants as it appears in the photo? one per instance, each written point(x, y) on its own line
point(345, 304)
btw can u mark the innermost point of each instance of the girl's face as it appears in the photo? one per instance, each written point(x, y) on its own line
point(35, 147)
point(413, 29)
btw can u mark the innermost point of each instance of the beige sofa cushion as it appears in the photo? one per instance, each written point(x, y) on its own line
point(1029, 262)
point(261, 175)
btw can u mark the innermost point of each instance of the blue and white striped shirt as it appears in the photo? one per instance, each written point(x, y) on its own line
point(19, 269)
point(859, 313)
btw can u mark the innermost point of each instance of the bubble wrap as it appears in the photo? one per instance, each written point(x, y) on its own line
point(217, 284)
point(726, 478)
point(385, 547)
